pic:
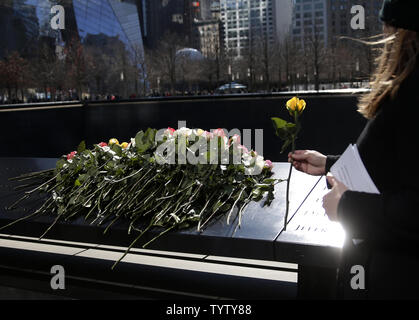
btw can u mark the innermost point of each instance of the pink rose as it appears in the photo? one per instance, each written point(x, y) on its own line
point(208, 135)
point(269, 164)
point(103, 144)
point(170, 131)
point(245, 150)
point(219, 132)
point(71, 155)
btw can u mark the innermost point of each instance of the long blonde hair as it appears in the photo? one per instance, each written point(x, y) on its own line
point(397, 61)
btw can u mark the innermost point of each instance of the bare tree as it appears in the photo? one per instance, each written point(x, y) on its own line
point(45, 69)
point(252, 58)
point(216, 65)
point(316, 52)
point(164, 58)
point(290, 51)
point(13, 73)
point(76, 66)
point(140, 70)
point(277, 62)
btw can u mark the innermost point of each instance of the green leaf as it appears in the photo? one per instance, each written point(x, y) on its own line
point(286, 131)
point(143, 148)
point(109, 166)
point(283, 129)
point(72, 200)
point(257, 195)
point(269, 181)
point(81, 147)
point(270, 198)
point(282, 134)
point(82, 178)
point(144, 141)
point(279, 123)
point(117, 149)
point(150, 136)
point(60, 164)
point(139, 138)
point(291, 128)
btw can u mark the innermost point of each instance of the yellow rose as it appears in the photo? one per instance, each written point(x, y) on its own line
point(301, 105)
point(292, 104)
point(113, 141)
point(296, 104)
point(124, 145)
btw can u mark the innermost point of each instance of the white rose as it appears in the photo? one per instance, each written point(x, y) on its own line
point(185, 132)
point(247, 159)
point(198, 132)
point(260, 163)
point(133, 142)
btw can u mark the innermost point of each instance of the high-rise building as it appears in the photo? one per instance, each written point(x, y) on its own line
point(209, 37)
point(19, 25)
point(340, 16)
point(283, 10)
point(209, 31)
point(310, 22)
point(327, 20)
point(102, 36)
point(110, 18)
point(246, 23)
point(206, 5)
point(160, 17)
point(215, 10)
point(192, 16)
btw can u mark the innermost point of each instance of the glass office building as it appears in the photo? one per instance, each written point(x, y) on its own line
point(108, 31)
point(22, 23)
point(25, 21)
point(112, 18)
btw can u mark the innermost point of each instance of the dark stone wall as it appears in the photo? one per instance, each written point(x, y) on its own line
point(330, 122)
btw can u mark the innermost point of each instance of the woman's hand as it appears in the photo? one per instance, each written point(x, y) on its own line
point(308, 161)
point(331, 199)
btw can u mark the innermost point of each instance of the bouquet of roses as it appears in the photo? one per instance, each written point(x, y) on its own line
point(169, 179)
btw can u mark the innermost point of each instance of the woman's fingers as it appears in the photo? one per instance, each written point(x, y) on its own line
point(299, 166)
point(299, 155)
point(296, 153)
point(331, 179)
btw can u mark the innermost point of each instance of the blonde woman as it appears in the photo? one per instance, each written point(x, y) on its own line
point(389, 222)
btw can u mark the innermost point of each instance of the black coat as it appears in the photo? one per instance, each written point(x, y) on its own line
point(388, 222)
